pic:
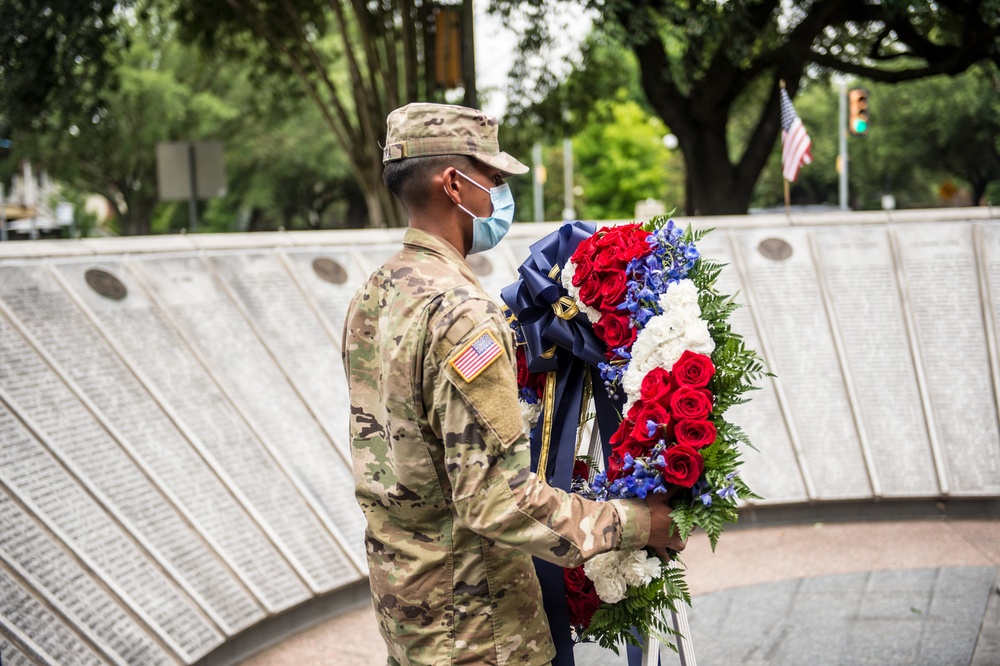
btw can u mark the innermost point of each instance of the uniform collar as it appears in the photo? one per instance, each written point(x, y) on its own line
point(437, 245)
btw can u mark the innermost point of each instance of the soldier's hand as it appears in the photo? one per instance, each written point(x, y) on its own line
point(662, 534)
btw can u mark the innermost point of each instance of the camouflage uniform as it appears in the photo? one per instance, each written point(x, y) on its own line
point(441, 470)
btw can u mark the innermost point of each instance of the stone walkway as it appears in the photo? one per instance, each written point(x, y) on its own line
point(906, 592)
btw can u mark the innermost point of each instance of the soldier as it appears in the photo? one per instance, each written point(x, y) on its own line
point(441, 462)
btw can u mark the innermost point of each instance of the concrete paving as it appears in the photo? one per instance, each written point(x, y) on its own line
point(878, 592)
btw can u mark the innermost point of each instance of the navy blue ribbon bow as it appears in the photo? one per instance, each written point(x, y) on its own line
point(559, 339)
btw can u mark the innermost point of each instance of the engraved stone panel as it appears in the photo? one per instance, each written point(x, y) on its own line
point(59, 327)
point(858, 266)
point(157, 441)
point(373, 256)
point(211, 322)
point(10, 655)
point(135, 326)
point(23, 612)
point(801, 352)
point(332, 298)
point(493, 271)
point(28, 546)
point(32, 474)
point(294, 335)
point(771, 470)
point(943, 291)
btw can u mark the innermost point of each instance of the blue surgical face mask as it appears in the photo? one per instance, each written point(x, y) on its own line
point(487, 231)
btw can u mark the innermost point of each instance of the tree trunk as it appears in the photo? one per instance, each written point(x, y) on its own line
point(979, 186)
point(714, 185)
point(137, 219)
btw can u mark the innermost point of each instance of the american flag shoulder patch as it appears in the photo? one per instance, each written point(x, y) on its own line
point(476, 356)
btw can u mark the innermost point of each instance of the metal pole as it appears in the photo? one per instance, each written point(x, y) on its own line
point(3, 215)
point(537, 181)
point(568, 211)
point(843, 146)
point(193, 182)
point(469, 56)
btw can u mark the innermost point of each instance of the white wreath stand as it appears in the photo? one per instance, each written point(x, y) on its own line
point(678, 619)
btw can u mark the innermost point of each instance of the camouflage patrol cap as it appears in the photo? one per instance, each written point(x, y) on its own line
point(423, 129)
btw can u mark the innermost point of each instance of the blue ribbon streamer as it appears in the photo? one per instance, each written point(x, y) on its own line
point(577, 352)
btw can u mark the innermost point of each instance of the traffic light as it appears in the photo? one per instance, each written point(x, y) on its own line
point(858, 120)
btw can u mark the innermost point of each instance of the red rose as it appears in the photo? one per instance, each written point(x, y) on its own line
point(683, 465)
point(607, 259)
point(622, 442)
point(584, 267)
point(615, 330)
point(585, 251)
point(693, 369)
point(617, 440)
point(615, 462)
point(634, 244)
point(581, 596)
point(624, 428)
point(581, 470)
point(657, 413)
point(633, 447)
point(612, 290)
point(690, 403)
point(696, 433)
point(609, 237)
point(526, 378)
point(657, 386)
point(590, 290)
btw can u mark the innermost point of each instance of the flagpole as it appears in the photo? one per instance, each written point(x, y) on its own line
point(788, 211)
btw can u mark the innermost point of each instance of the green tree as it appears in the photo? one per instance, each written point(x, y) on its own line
point(162, 93)
point(923, 133)
point(284, 169)
point(356, 61)
point(619, 157)
point(622, 160)
point(947, 125)
point(58, 54)
point(700, 59)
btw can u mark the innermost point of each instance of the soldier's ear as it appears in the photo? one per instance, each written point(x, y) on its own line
point(451, 178)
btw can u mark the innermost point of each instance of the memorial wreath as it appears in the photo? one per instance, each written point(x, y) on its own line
point(629, 316)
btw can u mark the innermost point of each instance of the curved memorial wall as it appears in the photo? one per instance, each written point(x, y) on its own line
point(175, 476)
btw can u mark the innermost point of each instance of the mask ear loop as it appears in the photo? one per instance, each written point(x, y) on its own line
point(467, 211)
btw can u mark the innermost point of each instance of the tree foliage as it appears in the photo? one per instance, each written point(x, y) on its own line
point(701, 61)
point(161, 94)
point(355, 60)
point(924, 134)
point(56, 54)
point(283, 166)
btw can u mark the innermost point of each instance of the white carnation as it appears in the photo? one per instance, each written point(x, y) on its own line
point(615, 571)
point(697, 338)
point(681, 293)
point(667, 336)
point(640, 568)
point(609, 579)
point(529, 415)
point(566, 277)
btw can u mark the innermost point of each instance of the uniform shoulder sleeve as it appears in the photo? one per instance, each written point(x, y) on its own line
point(472, 350)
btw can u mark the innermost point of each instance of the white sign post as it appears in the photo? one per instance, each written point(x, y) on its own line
point(191, 171)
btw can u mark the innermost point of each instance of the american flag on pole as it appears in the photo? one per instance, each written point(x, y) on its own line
point(796, 146)
point(477, 356)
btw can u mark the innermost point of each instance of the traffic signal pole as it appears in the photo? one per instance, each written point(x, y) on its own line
point(843, 146)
